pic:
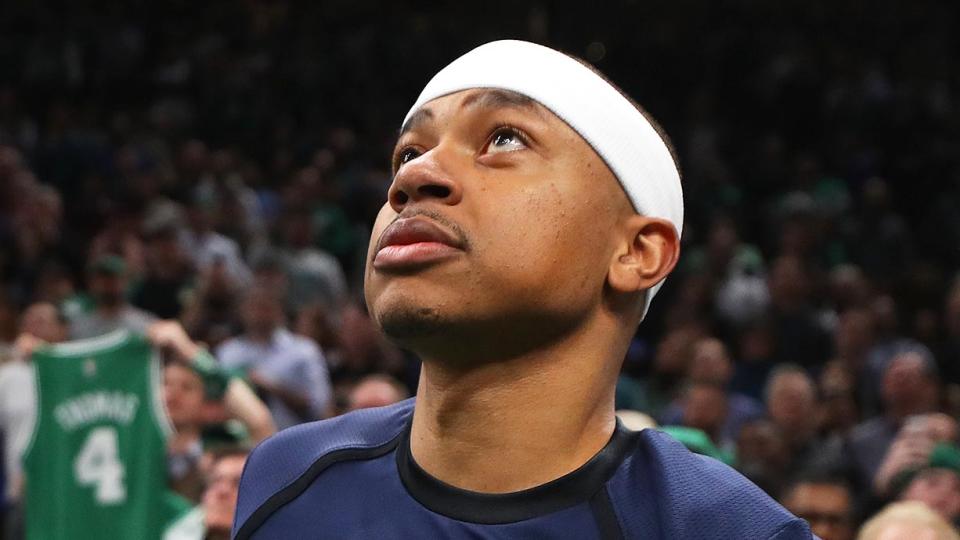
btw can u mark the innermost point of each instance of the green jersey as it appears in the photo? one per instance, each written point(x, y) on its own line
point(96, 466)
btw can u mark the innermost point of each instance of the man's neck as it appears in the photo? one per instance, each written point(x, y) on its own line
point(508, 425)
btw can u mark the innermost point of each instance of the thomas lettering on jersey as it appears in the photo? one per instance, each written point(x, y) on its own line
point(95, 406)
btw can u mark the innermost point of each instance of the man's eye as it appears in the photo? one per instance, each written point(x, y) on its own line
point(506, 139)
point(405, 155)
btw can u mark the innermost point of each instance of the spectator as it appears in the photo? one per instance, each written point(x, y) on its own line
point(220, 497)
point(711, 364)
point(107, 281)
point(376, 391)
point(290, 370)
point(936, 483)
point(763, 455)
point(210, 311)
point(907, 520)
point(184, 386)
point(40, 322)
point(792, 406)
point(838, 404)
point(209, 247)
point(706, 407)
point(825, 502)
point(800, 337)
point(169, 274)
point(909, 387)
point(912, 449)
point(212, 519)
point(313, 275)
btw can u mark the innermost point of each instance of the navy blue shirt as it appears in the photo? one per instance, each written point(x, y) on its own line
point(354, 477)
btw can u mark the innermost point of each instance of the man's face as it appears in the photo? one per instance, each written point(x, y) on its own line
point(827, 507)
point(183, 392)
point(792, 401)
point(220, 497)
point(937, 488)
point(506, 224)
point(107, 289)
point(261, 312)
point(905, 380)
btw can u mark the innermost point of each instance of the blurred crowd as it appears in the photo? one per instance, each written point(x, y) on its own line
point(221, 166)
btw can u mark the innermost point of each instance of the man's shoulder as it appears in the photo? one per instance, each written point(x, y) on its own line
point(291, 459)
point(691, 493)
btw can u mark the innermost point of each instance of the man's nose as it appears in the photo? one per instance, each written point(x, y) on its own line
point(425, 178)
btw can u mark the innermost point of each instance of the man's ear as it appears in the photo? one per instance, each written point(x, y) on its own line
point(647, 251)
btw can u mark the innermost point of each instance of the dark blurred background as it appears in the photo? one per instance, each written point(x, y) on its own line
point(212, 147)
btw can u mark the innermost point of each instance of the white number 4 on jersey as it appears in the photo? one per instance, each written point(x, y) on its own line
point(97, 465)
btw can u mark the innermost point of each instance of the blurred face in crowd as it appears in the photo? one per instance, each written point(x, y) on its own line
point(262, 312)
point(220, 497)
point(705, 408)
point(297, 230)
point(374, 392)
point(939, 489)
point(164, 254)
point(836, 398)
point(42, 321)
point(107, 288)
point(675, 350)
point(788, 282)
point(791, 403)
point(183, 392)
point(506, 228)
point(710, 362)
point(854, 335)
point(826, 507)
point(906, 385)
point(761, 446)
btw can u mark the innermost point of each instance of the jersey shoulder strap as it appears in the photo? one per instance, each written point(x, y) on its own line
point(685, 494)
point(276, 469)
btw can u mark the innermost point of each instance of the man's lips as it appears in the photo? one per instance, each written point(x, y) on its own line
point(412, 242)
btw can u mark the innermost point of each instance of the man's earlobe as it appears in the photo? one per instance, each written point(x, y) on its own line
point(648, 252)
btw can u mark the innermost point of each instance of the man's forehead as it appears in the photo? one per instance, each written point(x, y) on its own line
point(476, 99)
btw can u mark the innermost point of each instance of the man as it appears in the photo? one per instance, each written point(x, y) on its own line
point(169, 272)
point(212, 519)
point(188, 390)
point(711, 364)
point(209, 247)
point(376, 391)
point(791, 397)
point(910, 386)
point(825, 502)
point(108, 287)
point(907, 520)
point(937, 482)
point(290, 370)
point(511, 260)
point(40, 322)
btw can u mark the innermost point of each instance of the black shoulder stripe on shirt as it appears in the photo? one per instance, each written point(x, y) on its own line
point(298, 486)
point(606, 518)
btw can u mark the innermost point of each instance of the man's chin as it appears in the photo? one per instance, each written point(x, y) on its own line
point(410, 324)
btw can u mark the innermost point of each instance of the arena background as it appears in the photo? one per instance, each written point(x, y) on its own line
point(819, 145)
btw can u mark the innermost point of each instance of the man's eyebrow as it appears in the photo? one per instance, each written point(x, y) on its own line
point(419, 117)
point(492, 98)
point(495, 98)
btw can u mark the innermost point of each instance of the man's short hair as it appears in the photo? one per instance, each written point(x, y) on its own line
point(815, 476)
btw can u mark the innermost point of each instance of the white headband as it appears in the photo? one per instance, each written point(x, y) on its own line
point(610, 124)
